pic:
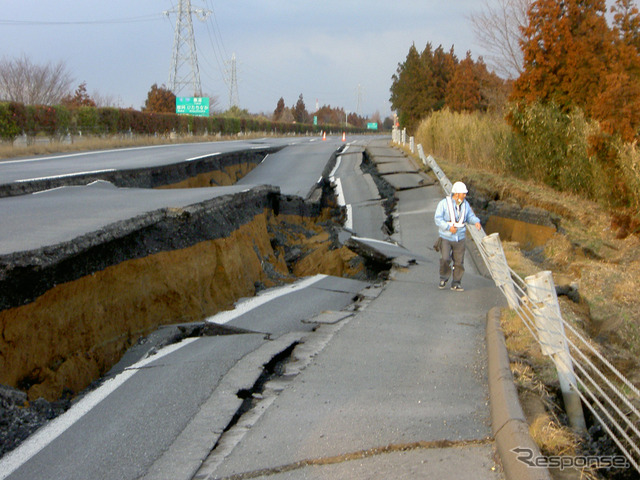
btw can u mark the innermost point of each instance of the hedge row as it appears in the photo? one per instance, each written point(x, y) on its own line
point(57, 121)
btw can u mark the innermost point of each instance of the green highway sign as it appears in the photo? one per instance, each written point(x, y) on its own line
point(372, 126)
point(193, 106)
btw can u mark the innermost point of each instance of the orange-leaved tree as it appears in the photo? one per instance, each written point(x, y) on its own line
point(160, 100)
point(568, 50)
point(463, 91)
point(617, 107)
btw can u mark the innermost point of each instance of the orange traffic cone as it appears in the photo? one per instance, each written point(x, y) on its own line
point(324, 135)
point(344, 136)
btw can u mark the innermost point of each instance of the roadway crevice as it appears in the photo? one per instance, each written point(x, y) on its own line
point(385, 189)
point(351, 456)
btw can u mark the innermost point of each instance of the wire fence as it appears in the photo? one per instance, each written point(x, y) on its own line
point(587, 378)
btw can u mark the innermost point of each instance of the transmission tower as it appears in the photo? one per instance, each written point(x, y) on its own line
point(234, 101)
point(359, 100)
point(184, 50)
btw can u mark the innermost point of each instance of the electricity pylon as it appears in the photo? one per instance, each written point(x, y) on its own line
point(184, 50)
point(359, 100)
point(234, 101)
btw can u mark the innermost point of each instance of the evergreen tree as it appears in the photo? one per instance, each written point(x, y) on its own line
point(626, 22)
point(300, 113)
point(567, 51)
point(277, 113)
point(406, 89)
point(463, 91)
point(444, 67)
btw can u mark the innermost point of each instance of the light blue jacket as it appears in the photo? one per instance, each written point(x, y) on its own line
point(442, 219)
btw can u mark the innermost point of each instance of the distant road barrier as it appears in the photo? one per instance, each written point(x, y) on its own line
point(586, 376)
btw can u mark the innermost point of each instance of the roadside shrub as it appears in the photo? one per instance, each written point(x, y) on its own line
point(551, 146)
point(87, 120)
point(108, 119)
point(40, 119)
point(64, 120)
point(628, 163)
point(9, 128)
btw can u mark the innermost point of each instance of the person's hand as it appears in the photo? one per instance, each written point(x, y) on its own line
point(478, 226)
point(453, 229)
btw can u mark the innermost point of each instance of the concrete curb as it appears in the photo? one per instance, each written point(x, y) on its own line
point(509, 425)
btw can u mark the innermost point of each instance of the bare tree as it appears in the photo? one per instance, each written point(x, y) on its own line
point(498, 29)
point(106, 100)
point(25, 82)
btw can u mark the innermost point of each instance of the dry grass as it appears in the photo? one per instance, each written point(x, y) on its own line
point(471, 139)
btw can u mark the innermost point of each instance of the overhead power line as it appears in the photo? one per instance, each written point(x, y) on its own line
point(26, 23)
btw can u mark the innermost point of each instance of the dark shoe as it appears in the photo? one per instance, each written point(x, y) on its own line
point(457, 288)
point(442, 284)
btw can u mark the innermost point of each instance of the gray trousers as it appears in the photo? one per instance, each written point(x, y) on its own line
point(452, 251)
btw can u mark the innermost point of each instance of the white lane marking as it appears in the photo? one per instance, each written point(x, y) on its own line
point(335, 169)
point(65, 175)
point(70, 155)
point(202, 156)
point(373, 240)
point(43, 437)
point(340, 192)
point(265, 297)
point(348, 223)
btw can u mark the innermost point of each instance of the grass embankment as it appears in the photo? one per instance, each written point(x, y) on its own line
point(595, 249)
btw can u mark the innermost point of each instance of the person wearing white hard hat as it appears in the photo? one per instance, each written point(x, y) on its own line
point(452, 215)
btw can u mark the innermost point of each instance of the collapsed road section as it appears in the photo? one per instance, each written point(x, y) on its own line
point(213, 169)
point(87, 270)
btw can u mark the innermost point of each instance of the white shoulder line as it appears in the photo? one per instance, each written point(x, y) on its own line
point(47, 434)
point(265, 297)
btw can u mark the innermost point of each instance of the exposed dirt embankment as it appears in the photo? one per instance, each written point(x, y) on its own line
point(74, 310)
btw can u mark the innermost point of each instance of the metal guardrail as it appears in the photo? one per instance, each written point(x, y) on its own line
point(586, 377)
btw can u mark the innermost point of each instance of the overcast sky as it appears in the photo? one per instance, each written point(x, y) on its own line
point(332, 51)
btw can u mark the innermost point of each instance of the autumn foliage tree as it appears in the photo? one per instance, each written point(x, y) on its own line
point(160, 100)
point(463, 92)
point(573, 58)
point(431, 80)
point(79, 99)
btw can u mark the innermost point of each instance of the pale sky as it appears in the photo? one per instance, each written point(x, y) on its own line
point(340, 53)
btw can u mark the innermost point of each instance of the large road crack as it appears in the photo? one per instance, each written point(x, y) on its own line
point(357, 455)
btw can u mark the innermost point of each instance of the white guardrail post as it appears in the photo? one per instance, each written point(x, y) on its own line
point(499, 268)
point(548, 320)
point(412, 145)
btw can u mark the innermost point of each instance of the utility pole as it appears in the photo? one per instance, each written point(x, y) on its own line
point(184, 50)
point(234, 101)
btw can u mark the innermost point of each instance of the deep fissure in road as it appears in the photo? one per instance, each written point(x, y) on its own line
point(67, 319)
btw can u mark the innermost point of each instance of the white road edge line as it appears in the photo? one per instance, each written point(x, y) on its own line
point(96, 152)
point(47, 434)
point(74, 174)
point(265, 297)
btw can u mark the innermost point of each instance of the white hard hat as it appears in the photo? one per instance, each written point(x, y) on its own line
point(459, 187)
